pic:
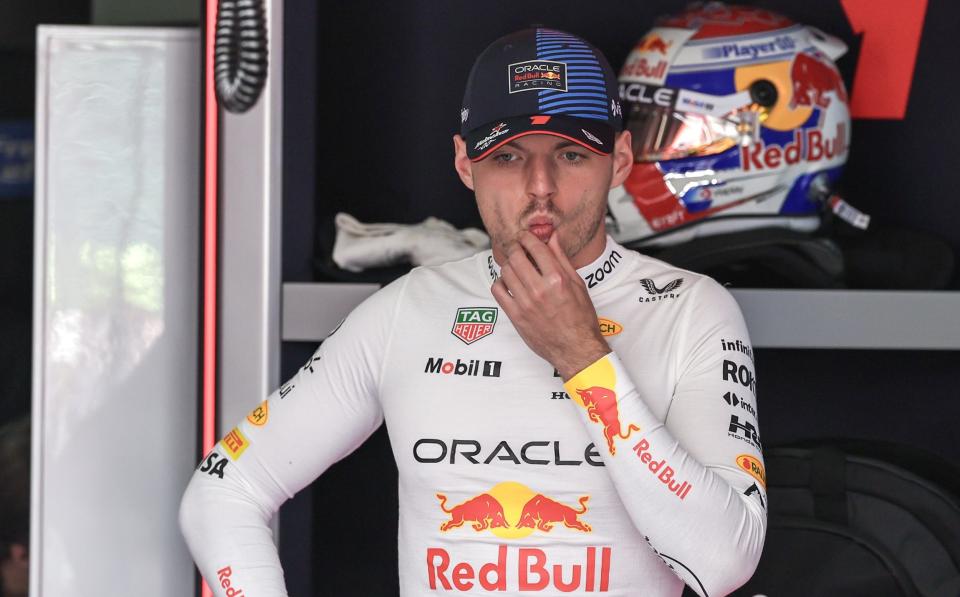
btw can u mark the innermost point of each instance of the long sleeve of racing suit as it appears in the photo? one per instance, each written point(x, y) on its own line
point(693, 483)
point(276, 451)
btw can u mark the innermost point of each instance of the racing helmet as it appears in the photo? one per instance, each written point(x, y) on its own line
point(739, 120)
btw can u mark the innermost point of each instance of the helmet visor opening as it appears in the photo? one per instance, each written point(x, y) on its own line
point(661, 133)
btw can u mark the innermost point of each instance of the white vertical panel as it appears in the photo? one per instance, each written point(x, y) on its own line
point(115, 309)
point(250, 216)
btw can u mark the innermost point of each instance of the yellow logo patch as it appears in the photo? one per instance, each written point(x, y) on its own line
point(235, 443)
point(754, 467)
point(609, 327)
point(259, 415)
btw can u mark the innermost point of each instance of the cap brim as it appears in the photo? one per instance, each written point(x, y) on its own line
point(595, 135)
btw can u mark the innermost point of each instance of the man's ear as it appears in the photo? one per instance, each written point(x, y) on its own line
point(622, 158)
point(461, 162)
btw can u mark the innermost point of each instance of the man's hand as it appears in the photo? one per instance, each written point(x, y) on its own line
point(550, 308)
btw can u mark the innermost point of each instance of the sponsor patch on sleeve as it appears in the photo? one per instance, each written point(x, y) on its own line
point(235, 443)
point(754, 467)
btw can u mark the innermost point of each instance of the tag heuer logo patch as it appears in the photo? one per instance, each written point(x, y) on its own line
point(537, 74)
point(474, 323)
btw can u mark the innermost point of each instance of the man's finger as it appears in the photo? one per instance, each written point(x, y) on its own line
point(523, 268)
point(501, 294)
point(541, 255)
point(561, 257)
point(518, 290)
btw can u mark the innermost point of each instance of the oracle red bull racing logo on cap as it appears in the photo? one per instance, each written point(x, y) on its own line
point(473, 323)
point(537, 74)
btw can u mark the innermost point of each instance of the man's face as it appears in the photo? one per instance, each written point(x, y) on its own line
point(547, 185)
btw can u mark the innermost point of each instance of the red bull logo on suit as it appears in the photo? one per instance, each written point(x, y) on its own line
point(511, 510)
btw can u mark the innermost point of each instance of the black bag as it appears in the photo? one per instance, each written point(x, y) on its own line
point(859, 519)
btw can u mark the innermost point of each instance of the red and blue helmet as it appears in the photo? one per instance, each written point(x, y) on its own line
point(739, 120)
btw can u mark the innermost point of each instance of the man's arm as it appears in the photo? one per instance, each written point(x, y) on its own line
point(683, 481)
point(694, 483)
point(318, 417)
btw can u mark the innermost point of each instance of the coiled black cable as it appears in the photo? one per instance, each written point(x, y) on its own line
point(240, 53)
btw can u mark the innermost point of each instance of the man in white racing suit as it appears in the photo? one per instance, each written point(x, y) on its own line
point(567, 416)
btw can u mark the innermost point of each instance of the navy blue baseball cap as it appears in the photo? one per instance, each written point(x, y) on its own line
point(540, 81)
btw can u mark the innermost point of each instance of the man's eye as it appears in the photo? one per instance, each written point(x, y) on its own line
point(573, 156)
point(504, 157)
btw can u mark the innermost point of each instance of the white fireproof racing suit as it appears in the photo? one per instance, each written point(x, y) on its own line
point(641, 473)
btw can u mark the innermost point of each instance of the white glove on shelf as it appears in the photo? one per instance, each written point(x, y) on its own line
point(360, 246)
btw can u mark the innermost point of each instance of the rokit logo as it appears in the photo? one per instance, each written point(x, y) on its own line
point(214, 464)
point(472, 367)
point(605, 269)
point(734, 400)
point(543, 453)
point(744, 431)
point(656, 294)
point(740, 374)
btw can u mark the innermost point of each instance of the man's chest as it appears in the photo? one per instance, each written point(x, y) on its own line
point(461, 389)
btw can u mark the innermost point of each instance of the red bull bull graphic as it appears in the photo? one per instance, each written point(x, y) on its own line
point(812, 80)
point(484, 511)
point(512, 510)
point(653, 43)
point(601, 405)
point(542, 512)
point(534, 571)
point(662, 470)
